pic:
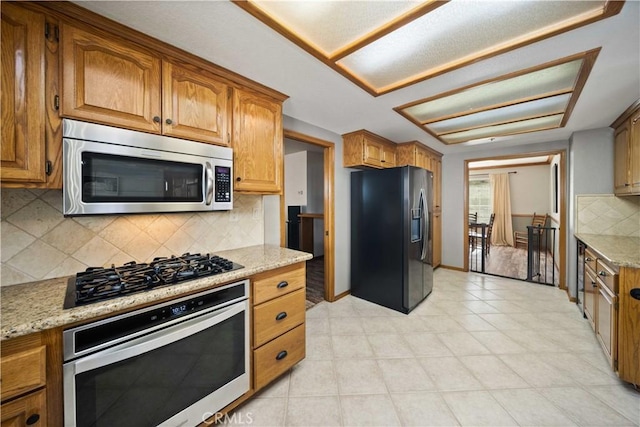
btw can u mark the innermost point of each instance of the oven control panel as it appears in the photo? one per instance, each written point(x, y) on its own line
point(222, 178)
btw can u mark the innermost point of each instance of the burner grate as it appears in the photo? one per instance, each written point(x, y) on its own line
point(98, 283)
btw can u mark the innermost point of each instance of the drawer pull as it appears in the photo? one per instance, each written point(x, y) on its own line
point(635, 293)
point(33, 419)
point(602, 273)
point(281, 315)
point(283, 284)
point(587, 259)
point(281, 355)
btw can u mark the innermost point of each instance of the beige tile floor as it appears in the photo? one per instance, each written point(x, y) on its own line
point(480, 351)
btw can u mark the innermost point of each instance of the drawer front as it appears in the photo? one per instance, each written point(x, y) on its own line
point(608, 276)
point(22, 372)
point(275, 317)
point(272, 284)
point(275, 357)
point(607, 326)
point(27, 410)
point(590, 296)
point(590, 259)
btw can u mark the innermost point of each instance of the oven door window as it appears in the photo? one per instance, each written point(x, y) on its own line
point(149, 388)
point(108, 178)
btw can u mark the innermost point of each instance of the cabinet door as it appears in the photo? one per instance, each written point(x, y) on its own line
point(437, 239)
point(590, 296)
point(23, 89)
point(634, 153)
point(109, 81)
point(372, 153)
point(257, 143)
point(28, 410)
point(621, 160)
point(422, 159)
point(437, 184)
point(195, 106)
point(606, 323)
point(388, 159)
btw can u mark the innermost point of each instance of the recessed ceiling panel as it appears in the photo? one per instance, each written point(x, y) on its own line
point(524, 126)
point(331, 25)
point(537, 108)
point(385, 45)
point(529, 100)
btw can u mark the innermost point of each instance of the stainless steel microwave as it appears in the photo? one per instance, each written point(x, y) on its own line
point(109, 170)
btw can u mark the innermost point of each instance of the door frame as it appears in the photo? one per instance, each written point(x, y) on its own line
point(562, 193)
point(329, 177)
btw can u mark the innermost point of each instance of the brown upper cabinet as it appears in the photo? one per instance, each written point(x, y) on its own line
point(115, 82)
point(365, 149)
point(627, 152)
point(24, 48)
point(257, 143)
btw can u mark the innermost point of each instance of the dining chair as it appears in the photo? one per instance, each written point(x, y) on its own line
point(522, 237)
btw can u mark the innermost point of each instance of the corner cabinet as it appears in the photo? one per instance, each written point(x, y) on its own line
point(257, 143)
point(29, 81)
point(627, 152)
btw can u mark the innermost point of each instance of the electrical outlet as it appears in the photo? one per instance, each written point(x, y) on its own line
point(233, 216)
point(256, 213)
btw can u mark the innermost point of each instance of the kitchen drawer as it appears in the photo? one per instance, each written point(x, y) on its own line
point(275, 317)
point(29, 410)
point(590, 296)
point(607, 323)
point(590, 259)
point(275, 357)
point(23, 371)
point(608, 276)
point(272, 284)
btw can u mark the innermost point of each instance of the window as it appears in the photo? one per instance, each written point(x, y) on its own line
point(480, 197)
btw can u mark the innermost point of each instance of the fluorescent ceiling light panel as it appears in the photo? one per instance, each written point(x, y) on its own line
point(529, 100)
point(385, 45)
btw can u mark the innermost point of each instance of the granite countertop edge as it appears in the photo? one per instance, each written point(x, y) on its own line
point(621, 251)
point(37, 306)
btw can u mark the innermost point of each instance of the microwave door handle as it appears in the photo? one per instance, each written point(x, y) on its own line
point(208, 189)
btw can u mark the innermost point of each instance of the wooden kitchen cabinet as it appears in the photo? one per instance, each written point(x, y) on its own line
point(112, 81)
point(30, 373)
point(278, 339)
point(437, 239)
point(627, 152)
point(109, 80)
point(366, 149)
point(31, 154)
point(590, 288)
point(257, 143)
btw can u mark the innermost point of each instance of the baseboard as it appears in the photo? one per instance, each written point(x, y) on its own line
point(450, 267)
point(342, 295)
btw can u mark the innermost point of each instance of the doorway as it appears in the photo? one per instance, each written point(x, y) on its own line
point(320, 270)
point(537, 183)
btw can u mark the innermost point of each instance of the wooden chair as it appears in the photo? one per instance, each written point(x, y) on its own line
point(521, 237)
point(473, 217)
point(489, 229)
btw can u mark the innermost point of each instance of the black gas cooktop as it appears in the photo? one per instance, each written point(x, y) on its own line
point(100, 283)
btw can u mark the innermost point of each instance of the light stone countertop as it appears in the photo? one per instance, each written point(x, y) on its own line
point(621, 251)
point(36, 306)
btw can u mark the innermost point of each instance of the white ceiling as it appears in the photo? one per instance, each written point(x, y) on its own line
point(228, 36)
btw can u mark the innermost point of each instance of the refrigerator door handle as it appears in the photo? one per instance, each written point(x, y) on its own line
point(425, 225)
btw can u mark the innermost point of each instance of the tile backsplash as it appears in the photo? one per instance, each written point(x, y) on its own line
point(38, 242)
point(608, 215)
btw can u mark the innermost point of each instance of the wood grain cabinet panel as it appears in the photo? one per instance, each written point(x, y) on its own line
point(626, 167)
point(23, 95)
point(195, 106)
point(274, 358)
point(110, 81)
point(257, 143)
point(363, 149)
point(30, 410)
point(277, 316)
point(436, 226)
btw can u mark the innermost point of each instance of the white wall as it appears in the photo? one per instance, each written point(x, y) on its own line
point(590, 172)
point(453, 194)
point(295, 179)
point(342, 194)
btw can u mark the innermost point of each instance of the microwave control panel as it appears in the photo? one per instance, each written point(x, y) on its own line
point(222, 184)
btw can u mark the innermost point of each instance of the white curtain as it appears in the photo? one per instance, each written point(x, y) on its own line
point(502, 232)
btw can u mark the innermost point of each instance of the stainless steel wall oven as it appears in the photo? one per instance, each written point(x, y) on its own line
point(172, 364)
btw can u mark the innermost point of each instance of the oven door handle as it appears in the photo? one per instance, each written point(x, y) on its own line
point(156, 339)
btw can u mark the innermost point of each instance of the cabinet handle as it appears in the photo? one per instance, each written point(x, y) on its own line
point(168, 121)
point(238, 179)
point(602, 273)
point(635, 293)
point(281, 355)
point(593, 283)
point(156, 119)
point(587, 259)
point(33, 419)
point(283, 284)
point(281, 316)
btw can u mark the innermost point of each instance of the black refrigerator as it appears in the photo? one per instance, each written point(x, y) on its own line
point(391, 244)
